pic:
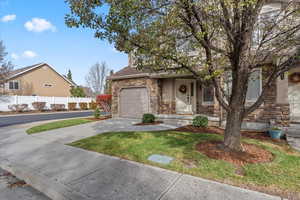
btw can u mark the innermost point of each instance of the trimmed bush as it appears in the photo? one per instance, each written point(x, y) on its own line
point(58, 107)
point(83, 106)
point(200, 121)
point(39, 106)
point(97, 113)
point(92, 105)
point(72, 106)
point(148, 118)
point(18, 107)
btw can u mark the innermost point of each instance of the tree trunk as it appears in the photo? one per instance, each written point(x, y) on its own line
point(232, 136)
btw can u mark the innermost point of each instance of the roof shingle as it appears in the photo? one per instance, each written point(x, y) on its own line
point(127, 71)
point(17, 71)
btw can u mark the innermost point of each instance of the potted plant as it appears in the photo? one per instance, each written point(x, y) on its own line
point(275, 133)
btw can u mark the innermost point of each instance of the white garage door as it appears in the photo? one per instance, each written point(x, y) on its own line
point(134, 102)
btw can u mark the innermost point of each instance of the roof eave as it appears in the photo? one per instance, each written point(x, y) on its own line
point(128, 76)
point(150, 75)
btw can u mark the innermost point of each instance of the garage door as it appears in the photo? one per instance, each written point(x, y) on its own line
point(134, 102)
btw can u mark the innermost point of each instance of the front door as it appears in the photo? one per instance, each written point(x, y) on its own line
point(185, 96)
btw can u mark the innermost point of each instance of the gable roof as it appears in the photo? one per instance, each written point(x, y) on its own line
point(132, 72)
point(23, 70)
point(17, 72)
point(129, 72)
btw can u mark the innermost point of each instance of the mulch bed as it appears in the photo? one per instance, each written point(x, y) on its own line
point(251, 154)
point(18, 184)
point(146, 124)
point(259, 135)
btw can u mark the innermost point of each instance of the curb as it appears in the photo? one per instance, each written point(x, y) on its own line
point(52, 189)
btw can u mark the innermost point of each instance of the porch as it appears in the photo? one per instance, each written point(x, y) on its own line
point(185, 97)
point(182, 120)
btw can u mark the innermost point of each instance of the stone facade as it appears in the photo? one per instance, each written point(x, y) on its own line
point(165, 104)
point(210, 110)
point(167, 107)
point(150, 84)
point(270, 111)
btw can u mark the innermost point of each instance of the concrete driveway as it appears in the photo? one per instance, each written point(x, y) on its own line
point(293, 136)
point(74, 133)
point(67, 173)
point(28, 118)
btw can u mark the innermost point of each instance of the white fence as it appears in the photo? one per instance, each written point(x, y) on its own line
point(5, 101)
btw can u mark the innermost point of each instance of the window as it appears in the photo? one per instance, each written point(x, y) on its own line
point(13, 85)
point(254, 86)
point(208, 94)
point(269, 17)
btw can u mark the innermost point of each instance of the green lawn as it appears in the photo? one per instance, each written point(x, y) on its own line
point(56, 125)
point(281, 176)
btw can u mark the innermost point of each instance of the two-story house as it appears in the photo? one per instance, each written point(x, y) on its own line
point(180, 96)
point(36, 80)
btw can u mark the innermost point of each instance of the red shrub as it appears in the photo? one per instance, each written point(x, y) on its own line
point(104, 97)
point(104, 102)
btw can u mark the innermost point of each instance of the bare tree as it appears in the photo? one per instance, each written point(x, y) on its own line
point(96, 77)
point(5, 67)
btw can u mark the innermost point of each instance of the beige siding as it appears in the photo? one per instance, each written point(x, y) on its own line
point(33, 83)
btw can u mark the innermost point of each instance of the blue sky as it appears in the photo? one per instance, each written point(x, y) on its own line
point(33, 31)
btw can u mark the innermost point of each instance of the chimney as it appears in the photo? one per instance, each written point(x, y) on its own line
point(130, 60)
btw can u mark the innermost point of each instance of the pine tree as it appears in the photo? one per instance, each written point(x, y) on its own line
point(69, 75)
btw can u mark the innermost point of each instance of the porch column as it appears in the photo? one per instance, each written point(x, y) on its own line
point(282, 90)
point(282, 101)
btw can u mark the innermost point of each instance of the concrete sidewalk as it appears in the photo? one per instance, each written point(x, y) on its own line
point(12, 188)
point(64, 172)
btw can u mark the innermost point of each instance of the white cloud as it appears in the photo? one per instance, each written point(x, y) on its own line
point(39, 25)
point(8, 18)
point(29, 54)
point(14, 56)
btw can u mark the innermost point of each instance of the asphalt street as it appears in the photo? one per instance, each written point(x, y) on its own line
point(28, 118)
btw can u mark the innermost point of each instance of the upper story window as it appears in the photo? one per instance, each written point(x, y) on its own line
point(254, 86)
point(268, 17)
point(14, 85)
point(208, 94)
point(187, 45)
